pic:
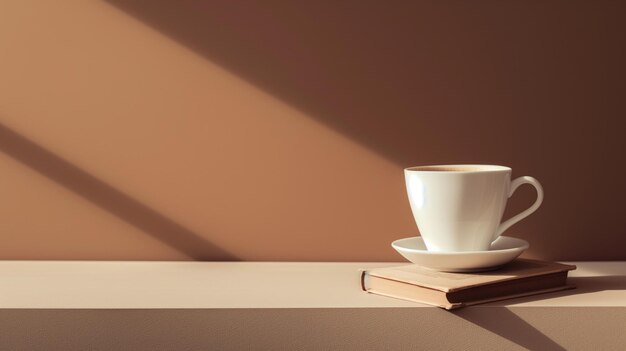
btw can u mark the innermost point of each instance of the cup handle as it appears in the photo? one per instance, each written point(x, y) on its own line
point(514, 185)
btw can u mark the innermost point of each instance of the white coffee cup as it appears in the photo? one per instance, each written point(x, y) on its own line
point(460, 207)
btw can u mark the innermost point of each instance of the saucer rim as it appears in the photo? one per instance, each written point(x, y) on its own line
point(524, 245)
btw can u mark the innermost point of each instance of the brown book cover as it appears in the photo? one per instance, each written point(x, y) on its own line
point(521, 277)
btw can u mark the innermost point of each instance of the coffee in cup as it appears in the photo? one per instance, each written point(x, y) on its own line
point(460, 207)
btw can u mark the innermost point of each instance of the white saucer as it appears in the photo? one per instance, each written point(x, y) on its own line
point(504, 250)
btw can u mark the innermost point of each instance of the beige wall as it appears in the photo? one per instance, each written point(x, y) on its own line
point(181, 130)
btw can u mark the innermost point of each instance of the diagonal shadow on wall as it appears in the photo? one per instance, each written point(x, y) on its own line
point(423, 82)
point(360, 67)
point(109, 198)
point(415, 81)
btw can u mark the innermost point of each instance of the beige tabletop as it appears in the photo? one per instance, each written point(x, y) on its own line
point(202, 285)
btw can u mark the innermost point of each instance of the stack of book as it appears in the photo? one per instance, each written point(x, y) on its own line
point(521, 277)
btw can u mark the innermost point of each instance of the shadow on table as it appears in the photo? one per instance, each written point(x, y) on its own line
point(591, 284)
point(505, 323)
point(583, 285)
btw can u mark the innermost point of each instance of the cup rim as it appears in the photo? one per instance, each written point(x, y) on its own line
point(458, 168)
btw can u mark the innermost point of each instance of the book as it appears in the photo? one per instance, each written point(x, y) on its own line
point(521, 277)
